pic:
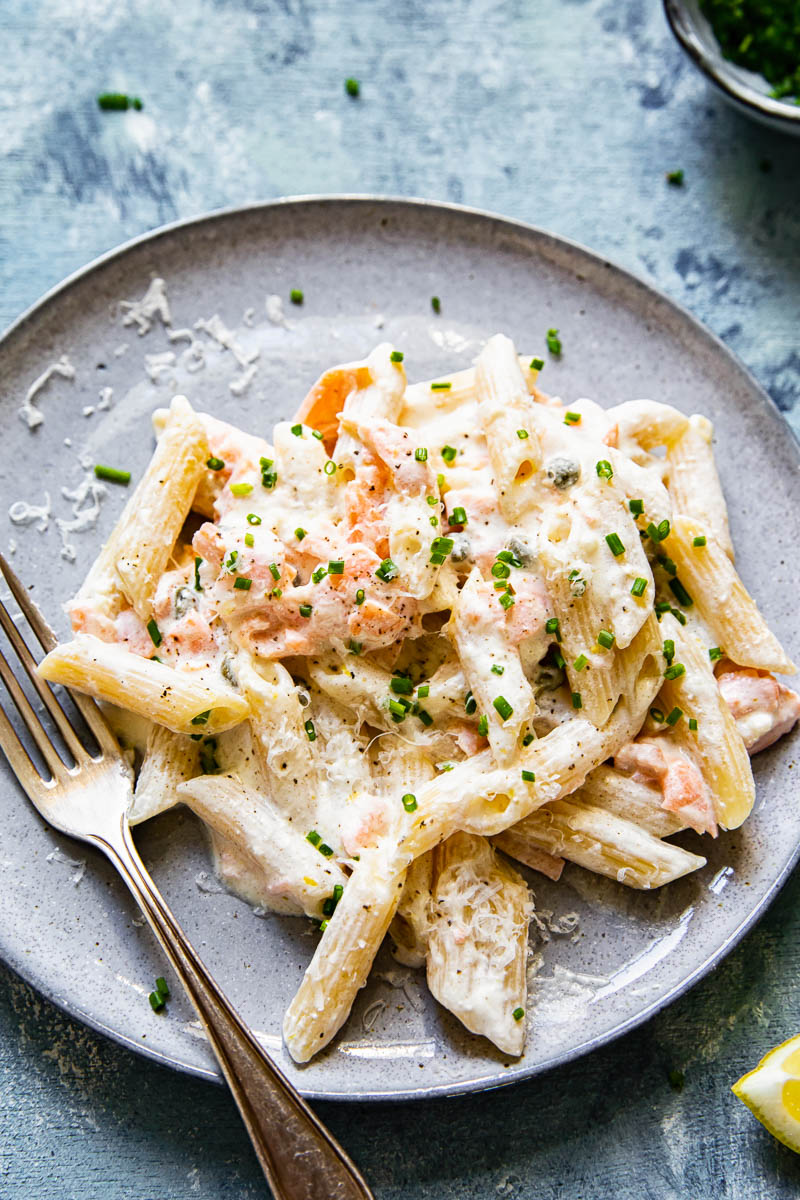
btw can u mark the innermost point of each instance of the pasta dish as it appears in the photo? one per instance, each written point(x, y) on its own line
point(426, 632)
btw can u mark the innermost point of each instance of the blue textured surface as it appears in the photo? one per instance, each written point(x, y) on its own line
point(566, 114)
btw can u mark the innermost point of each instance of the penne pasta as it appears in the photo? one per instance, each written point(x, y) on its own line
point(694, 484)
point(170, 759)
point(511, 439)
point(183, 702)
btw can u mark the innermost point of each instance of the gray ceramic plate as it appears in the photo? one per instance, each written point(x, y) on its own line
point(368, 269)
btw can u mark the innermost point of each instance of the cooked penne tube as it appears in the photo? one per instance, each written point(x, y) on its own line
point(504, 411)
point(344, 955)
point(478, 940)
point(491, 666)
point(709, 577)
point(716, 744)
point(694, 483)
point(448, 393)
point(646, 423)
point(297, 874)
point(183, 702)
point(138, 549)
point(605, 843)
point(169, 760)
point(628, 798)
point(517, 846)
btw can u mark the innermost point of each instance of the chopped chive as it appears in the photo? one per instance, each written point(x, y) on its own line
point(528, 777)
point(313, 837)
point(354, 647)
point(497, 669)
point(572, 418)
point(336, 566)
point(421, 455)
point(501, 585)
point(241, 489)
point(274, 570)
point(325, 849)
point(269, 479)
point(297, 430)
point(249, 540)
point(162, 988)
point(330, 467)
point(443, 386)
point(352, 87)
point(652, 532)
point(305, 610)
point(253, 519)
point(714, 653)
point(553, 341)
point(242, 583)
point(387, 570)
point(201, 718)
point(311, 732)
point(699, 541)
point(434, 521)
point(440, 483)
point(457, 517)
point(319, 574)
point(605, 639)
point(436, 304)
point(401, 686)
point(323, 925)
point(507, 600)
point(577, 700)
point(615, 544)
point(398, 710)
point(230, 562)
point(155, 632)
point(667, 563)
point(316, 433)
point(674, 716)
point(503, 707)
point(636, 507)
point(396, 356)
point(501, 570)
point(522, 434)
point(276, 592)
point(680, 593)
point(638, 586)
point(432, 500)
point(675, 177)
point(156, 1001)
point(693, 724)
point(663, 529)
point(409, 802)
point(214, 463)
point(296, 296)
point(112, 475)
point(425, 717)
point(360, 594)
point(470, 704)
point(198, 587)
point(552, 626)
point(536, 364)
point(507, 557)
point(299, 533)
point(604, 469)
point(118, 102)
point(518, 1014)
point(668, 650)
point(657, 714)
point(448, 454)
point(442, 545)
point(423, 690)
point(580, 662)
point(559, 660)
point(483, 726)
point(529, 737)
point(675, 671)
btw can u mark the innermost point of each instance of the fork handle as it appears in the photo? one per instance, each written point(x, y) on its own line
point(300, 1158)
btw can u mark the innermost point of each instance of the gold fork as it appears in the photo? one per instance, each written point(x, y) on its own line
point(89, 800)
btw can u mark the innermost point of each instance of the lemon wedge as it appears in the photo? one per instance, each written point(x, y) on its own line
point(772, 1092)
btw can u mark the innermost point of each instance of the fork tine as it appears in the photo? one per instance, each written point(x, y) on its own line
point(18, 757)
point(30, 612)
point(47, 697)
point(34, 725)
point(48, 640)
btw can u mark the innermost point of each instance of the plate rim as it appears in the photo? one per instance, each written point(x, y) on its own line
point(468, 1086)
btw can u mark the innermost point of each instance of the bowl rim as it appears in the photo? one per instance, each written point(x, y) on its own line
point(685, 33)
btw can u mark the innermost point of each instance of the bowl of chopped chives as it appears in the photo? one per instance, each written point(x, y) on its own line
point(749, 49)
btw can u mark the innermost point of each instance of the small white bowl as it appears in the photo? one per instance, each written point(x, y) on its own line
point(746, 91)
